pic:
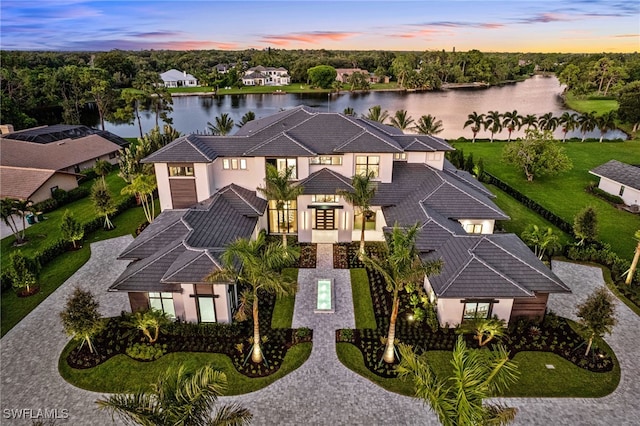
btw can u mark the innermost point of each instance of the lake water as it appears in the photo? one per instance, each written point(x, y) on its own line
point(537, 95)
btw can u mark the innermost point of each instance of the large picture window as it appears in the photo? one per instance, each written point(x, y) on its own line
point(325, 198)
point(366, 164)
point(474, 310)
point(283, 164)
point(206, 303)
point(180, 170)
point(283, 220)
point(327, 160)
point(473, 228)
point(369, 220)
point(162, 301)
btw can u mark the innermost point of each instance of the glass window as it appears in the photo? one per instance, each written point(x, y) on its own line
point(433, 156)
point(180, 170)
point(162, 301)
point(473, 228)
point(206, 309)
point(283, 163)
point(400, 156)
point(366, 164)
point(234, 164)
point(283, 220)
point(325, 198)
point(243, 164)
point(226, 164)
point(369, 221)
point(474, 310)
point(327, 160)
point(621, 191)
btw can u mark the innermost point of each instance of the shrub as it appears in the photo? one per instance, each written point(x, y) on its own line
point(346, 335)
point(144, 352)
point(605, 195)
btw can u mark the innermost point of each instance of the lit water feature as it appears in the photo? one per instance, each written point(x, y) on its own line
point(324, 296)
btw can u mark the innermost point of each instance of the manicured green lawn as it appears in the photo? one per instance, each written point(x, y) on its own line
point(55, 273)
point(565, 194)
point(586, 104)
point(362, 305)
point(291, 88)
point(282, 316)
point(123, 374)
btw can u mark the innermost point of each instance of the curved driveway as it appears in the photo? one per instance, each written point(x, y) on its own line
point(322, 391)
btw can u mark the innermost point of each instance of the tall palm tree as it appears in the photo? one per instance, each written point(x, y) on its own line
point(142, 186)
point(360, 198)
point(548, 122)
point(102, 168)
point(493, 123)
point(606, 122)
point(568, 121)
point(529, 120)
point(9, 207)
point(223, 126)
point(459, 400)
point(256, 265)
point(511, 120)
point(587, 123)
point(247, 117)
point(179, 398)
point(402, 269)
point(634, 263)
point(428, 125)
point(349, 111)
point(476, 122)
point(401, 120)
point(278, 187)
point(377, 114)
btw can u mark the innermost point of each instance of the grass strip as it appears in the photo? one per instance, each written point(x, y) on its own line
point(362, 304)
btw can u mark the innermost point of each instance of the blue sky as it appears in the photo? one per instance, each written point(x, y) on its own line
point(500, 26)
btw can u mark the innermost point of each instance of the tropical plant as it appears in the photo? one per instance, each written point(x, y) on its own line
point(484, 329)
point(529, 120)
point(606, 122)
point(22, 272)
point(476, 122)
point(81, 318)
point(360, 198)
point(102, 168)
point(377, 114)
point(537, 155)
point(596, 315)
point(548, 122)
point(148, 321)
point(401, 120)
point(428, 125)
point(179, 398)
point(247, 117)
point(278, 187)
point(256, 265)
point(585, 225)
point(223, 126)
point(402, 269)
point(511, 120)
point(541, 240)
point(349, 111)
point(103, 202)
point(71, 229)
point(459, 400)
point(142, 187)
point(636, 257)
point(587, 123)
point(568, 121)
point(493, 123)
point(7, 210)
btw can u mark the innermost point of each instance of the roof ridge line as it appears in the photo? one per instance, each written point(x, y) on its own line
point(514, 283)
point(232, 187)
point(475, 198)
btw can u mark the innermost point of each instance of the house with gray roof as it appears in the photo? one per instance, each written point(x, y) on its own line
point(621, 179)
point(175, 78)
point(266, 76)
point(208, 194)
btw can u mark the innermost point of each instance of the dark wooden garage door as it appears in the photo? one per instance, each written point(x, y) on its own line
point(183, 192)
point(529, 307)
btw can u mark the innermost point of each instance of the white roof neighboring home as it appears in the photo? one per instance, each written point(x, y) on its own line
point(175, 75)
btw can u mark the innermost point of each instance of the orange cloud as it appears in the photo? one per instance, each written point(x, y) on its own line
point(197, 45)
point(314, 37)
point(626, 35)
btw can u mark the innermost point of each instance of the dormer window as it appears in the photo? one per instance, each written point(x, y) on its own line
point(400, 156)
point(180, 170)
point(473, 228)
point(327, 160)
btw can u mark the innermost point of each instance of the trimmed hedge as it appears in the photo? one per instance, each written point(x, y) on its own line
point(614, 199)
point(62, 198)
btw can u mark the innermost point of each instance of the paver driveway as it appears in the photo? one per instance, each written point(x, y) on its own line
point(322, 391)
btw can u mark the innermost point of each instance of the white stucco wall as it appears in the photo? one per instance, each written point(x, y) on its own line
point(630, 196)
point(189, 303)
point(190, 309)
point(203, 186)
point(164, 192)
point(487, 224)
point(62, 181)
point(450, 310)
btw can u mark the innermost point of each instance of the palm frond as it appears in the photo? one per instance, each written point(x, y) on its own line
point(231, 415)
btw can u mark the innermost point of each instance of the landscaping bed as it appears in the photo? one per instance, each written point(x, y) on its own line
point(308, 255)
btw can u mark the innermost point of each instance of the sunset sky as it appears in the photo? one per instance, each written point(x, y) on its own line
point(499, 26)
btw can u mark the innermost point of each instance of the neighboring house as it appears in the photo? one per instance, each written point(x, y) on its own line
point(484, 274)
point(344, 74)
point(175, 78)
point(266, 76)
point(35, 162)
point(620, 179)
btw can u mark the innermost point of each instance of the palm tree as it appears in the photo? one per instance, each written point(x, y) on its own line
point(349, 111)
point(152, 319)
point(548, 122)
point(376, 114)
point(224, 125)
point(634, 263)
point(511, 120)
point(569, 121)
point(485, 329)
point(279, 189)
point(475, 121)
point(587, 123)
point(249, 116)
point(401, 120)
point(142, 186)
point(459, 400)
point(402, 269)
point(103, 202)
point(9, 207)
point(606, 122)
point(259, 266)
point(102, 168)
point(493, 122)
point(360, 198)
point(529, 120)
point(428, 125)
point(179, 398)
point(541, 240)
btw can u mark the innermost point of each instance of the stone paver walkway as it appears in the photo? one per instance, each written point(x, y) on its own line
point(322, 391)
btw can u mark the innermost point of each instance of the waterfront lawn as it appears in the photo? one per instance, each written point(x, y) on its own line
point(590, 104)
point(565, 194)
point(290, 88)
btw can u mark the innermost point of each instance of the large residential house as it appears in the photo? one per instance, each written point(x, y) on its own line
point(37, 161)
point(175, 78)
point(266, 76)
point(621, 179)
point(344, 74)
point(207, 188)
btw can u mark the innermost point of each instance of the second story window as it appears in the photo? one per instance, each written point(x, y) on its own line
point(473, 228)
point(234, 164)
point(366, 164)
point(180, 170)
point(400, 156)
point(434, 156)
point(327, 160)
point(283, 164)
point(325, 198)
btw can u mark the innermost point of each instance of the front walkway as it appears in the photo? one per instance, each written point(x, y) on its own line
point(322, 391)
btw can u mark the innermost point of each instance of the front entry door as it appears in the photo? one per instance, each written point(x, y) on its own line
point(325, 219)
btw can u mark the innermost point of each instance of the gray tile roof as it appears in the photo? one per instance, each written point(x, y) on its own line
point(620, 172)
point(466, 178)
point(165, 229)
point(325, 181)
point(185, 149)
